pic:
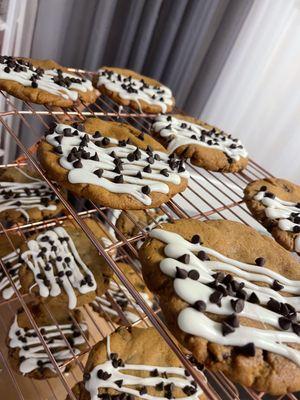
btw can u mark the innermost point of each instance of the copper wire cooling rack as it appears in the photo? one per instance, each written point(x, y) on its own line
point(209, 195)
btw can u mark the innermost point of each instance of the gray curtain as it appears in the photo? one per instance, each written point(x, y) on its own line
point(182, 43)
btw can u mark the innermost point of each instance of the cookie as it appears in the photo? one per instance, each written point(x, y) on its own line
point(61, 265)
point(129, 88)
point(155, 371)
point(27, 355)
point(121, 296)
point(9, 257)
point(276, 204)
point(205, 145)
point(44, 82)
point(25, 198)
point(131, 223)
point(117, 166)
point(230, 295)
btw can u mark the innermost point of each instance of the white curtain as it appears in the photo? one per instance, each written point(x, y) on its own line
point(257, 94)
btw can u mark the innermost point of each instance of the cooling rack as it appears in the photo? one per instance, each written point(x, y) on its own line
point(209, 195)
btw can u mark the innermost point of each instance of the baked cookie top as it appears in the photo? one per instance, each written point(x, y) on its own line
point(116, 166)
point(231, 296)
point(192, 138)
point(276, 203)
point(136, 363)
point(26, 352)
point(61, 265)
point(24, 197)
point(43, 82)
point(130, 88)
point(120, 295)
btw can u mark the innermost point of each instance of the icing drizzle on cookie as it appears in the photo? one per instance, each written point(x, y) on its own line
point(180, 132)
point(12, 263)
point(286, 213)
point(53, 81)
point(32, 354)
point(231, 293)
point(115, 165)
point(56, 265)
point(123, 298)
point(111, 375)
point(25, 196)
point(138, 90)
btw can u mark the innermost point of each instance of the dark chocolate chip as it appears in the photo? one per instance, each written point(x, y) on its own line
point(277, 286)
point(193, 274)
point(196, 239)
point(200, 305)
point(237, 305)
point(181, 273)
point(227, 329)
point(185, 258)
point(253, 298)
point(146, 190)
point(247, 350)
point(284, 323)
point(260, 261)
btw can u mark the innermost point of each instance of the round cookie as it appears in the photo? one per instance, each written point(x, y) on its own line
point(120, 295)
point(276, 204)
point(24, 197)
point(44, 82)
point(230, 296)
point(27, 355)
point(205, 145)
point(117, 166)
point(9, 256)
point(129, 88)
point(62, 267)
point(155, 371)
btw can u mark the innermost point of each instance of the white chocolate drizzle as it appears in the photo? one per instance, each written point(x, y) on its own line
point(25, 196)
point(129, 88)
point(86, 172)
point(195, 322)
point(131, 310)
point(32, 354)
point(131, 384)
point(53, 81)
point(179, 132)
point(13, 264)
point(286, 213)
point(56, 265)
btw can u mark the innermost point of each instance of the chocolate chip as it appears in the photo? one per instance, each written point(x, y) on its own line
point(34, 85)
point(150, 160)
point(296, 328)
point(233, 321)
point(196, 239)
point(253, 298)
point(139, 175)
point(147, 169)
point(146, 190)
point(277, 286)
point(216, 297)
point(58, 150)
point(71, 157)
point(105, 141)
point(185, 258)
point(296, 229)
point(284, 323)
point(227, 329)
point(119, 382)
point(193, 274)
point(237, 305)
point(270, 195)
point(274, 305)
point(130, 157)
point(99, 172)
point(181, 273)
point(247, 350)
point(241, 294)
point(200, 305)
point(203, 256)
point(260, 261)
point(77, 164)
point(143, 390)
point(119, 179)
point(164, 172)
point(159, 386)
point(154, 372)
point(95, 157)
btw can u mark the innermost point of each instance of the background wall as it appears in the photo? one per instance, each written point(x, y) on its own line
point(235, 63)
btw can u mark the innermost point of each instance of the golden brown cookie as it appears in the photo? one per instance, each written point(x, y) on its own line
point(121, 296)
point(150, 362)
point(24, 197)
point(230, 296)
point(44, 82)
point(62, 267)
point(27, 355)
point(113, 164)
point(206, 145)
point(276, 204)
point(129, 88)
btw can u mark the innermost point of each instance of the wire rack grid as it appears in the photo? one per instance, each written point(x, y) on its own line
point(209, 195)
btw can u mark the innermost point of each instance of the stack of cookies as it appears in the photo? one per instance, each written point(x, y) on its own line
point(229, 295)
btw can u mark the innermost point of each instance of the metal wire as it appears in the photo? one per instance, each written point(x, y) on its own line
point(210, 195)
